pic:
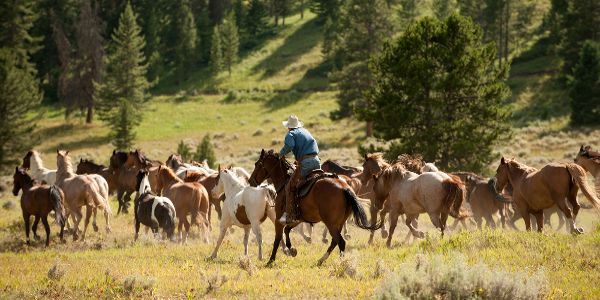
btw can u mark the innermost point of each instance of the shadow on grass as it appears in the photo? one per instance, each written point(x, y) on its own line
point(294, 46)
point(314, 80)
point(88, 142)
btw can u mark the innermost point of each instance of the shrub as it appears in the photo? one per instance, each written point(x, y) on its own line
point(8, 205)
point(56, 272)
point(206, 151)
point(138, 284)
point(453, 278)
point(246, 264)
point(346, 266)
point(184, 150)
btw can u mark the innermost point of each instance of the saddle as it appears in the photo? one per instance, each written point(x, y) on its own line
point(310, 181)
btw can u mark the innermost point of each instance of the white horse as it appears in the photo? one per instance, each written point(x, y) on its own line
point(244, 206)
point(429, 167)
point(38, 171)
point(435, 193)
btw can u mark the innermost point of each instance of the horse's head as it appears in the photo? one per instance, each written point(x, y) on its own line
point(174, 161)
point(141, 175)
point(19, 179)
point(380, 190)
point(219, 188)
point(268, 165)
point(118, 159)
point(502, 174)
point(373, 163)
point(62, 159)
point(27, 160)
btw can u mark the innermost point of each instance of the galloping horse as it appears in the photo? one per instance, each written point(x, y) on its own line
point(152, 210)
point(535, 190)
point(103, 188)
point(124, 179)
point(79, 190)
point(136, 161)
point(330, 201)
point(435, 193)
point(244, 206)
point(590, 161)
point(86, 166)
point(33, 161)
point(39, 200)
point(188, 198)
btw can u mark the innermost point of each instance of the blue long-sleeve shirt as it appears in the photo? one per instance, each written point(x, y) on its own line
point(300, 142)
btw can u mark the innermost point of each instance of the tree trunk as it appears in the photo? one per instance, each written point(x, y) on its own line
point(301, 9)
point(369, 128)
point(506, 35)
point(90, 114)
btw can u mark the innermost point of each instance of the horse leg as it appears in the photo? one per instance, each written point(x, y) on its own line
point(539, 217)
point(413, 229)
point(324, 239)
point(489, 221)
point(126, 202)
point(278, 237)
point(393, 222)
point(336, 238)
point(120, 193)
point(137, 229)
point(384, 211)
point(186, 224)
point(346, 233)
point(47, 228)
point(88, 214)
point(34, 228)
point(502, 217)
point(106, 219)
point(94, 224)
point(562, 205)
point(288, 241)
point(223, 228)
point(572, 198)
point(374, 212)
point(561, 220)
point(246, 236)
point(258, 234)
point(26, 220)
point(77, 215)
point(436, 219)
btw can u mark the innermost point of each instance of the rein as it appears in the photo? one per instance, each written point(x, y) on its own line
point(270, 171)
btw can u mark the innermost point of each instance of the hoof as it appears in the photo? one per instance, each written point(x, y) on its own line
point(28, 243)
point(293, 252)
point(108, 230)
point(95, 227)
point(420, 234)
point(347, 236)
point(384, 234)
point(320, 262)
point(75, 237)
point(36, 237)
point(577, 230)
point(270, 263)
point(308, 240)
point(325, 241)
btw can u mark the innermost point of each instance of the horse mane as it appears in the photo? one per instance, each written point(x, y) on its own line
point(590, 154)
point(521, 166)
point(66, 167)
point(236, 180)
point(27, 179)
point(121, 158)
point(412, 162)
point(170, 173)
point(395, 171)
point(91, 162)
point(193, 176)
point(337, 168)
point(378, 158)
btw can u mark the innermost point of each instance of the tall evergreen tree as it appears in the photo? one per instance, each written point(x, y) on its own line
point(581, 24)
point(186, 40)
point(122, 94)
point(255, 22)
point(19, 88)
point(409, 12)
point(216, 51)
point(443, 8)
point(440, 92)
point(585, 86)
point(364, 26)
point(90, 55)
point(230, 40)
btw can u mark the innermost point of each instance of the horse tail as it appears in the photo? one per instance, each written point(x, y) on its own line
point(198, 216)
point(57, 199)
point(455, 190)
point(360, 217)
point(579, 176)
point(93, 192)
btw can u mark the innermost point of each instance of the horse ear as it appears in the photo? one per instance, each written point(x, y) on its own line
point(581, 149)
point(114, 152)
point(67, 153)
point(17, 169)
point(262, 153)
point(57, 152)
point(502, 161)
point(365, 156)
point(81, 159)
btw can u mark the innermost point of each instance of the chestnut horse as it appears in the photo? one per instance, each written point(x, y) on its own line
point(124, 179)
point(188, 198)
point(136, 161)
point(590, 161)
point(330, 201)
point(209, 182)
point(39, 200)
point(535, 190)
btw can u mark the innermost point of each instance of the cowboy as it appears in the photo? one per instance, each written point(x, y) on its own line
point(305, 149)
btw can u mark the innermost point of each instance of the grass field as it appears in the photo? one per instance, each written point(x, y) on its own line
point(100, 266)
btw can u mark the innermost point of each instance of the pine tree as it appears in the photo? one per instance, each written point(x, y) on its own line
point(19, 87)
point(205, 150)
point(585, 86)
point(230, 40)
point(216, 51)
point(184, 150)
point(580, 24)
point(255, 22)
point(364, 26)
point(443, 8)
point(122, 94)
point(409, 12)
point(440, 92)
point(186, 40)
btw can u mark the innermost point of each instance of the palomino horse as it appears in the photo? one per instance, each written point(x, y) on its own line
point(590, 161)
point(151, 210)
point(436, 193)
point(330, 201)
point(124, 179)
point(34, 163)
point(188, 198)
point(245, 206)
point(535, 190)
point(39, 200)
point(209, 182)
point(79, 190)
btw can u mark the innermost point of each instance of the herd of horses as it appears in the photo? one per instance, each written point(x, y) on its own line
point(167, 193)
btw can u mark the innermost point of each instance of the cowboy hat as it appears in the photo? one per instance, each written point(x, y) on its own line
point(292, 122)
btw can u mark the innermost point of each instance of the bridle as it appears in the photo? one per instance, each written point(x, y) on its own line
point(269, 171)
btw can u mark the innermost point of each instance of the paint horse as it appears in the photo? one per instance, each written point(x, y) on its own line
point(151, 210)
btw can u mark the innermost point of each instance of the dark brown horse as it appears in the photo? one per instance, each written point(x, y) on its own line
point(137, 161)
point(39, 200)
point(124, 179)
point(333, 167)
point(330, 201)
point(209, 182)
point(89, 167)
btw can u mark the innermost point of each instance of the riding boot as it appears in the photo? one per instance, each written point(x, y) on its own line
point(289, 216)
